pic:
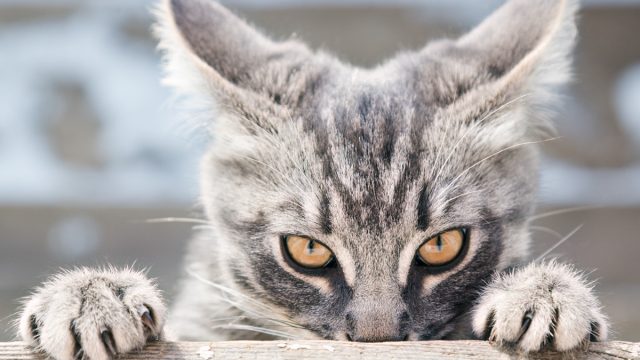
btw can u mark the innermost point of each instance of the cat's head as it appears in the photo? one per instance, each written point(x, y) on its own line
point(370, 204)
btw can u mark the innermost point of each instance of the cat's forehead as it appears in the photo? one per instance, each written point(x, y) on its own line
point(345, 95)
point(364, 121)
point(385, 159)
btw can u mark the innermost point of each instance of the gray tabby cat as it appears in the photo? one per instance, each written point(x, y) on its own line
point(354, 204)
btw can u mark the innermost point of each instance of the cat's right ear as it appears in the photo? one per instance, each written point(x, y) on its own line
point(210, 52)
point(514, 60)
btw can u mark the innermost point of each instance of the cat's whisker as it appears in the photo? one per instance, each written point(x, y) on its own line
point(565, 211)
point(175, 220)
point(250, 313)
point(546, 230)
point(246, 309)
point(225, 292)
point(202, 227)
point(588, 274)
point(446, 189)
point(560, 242)
point(240, 318)
point(255, 315)
point(227, 319)
point(502, 107)
point(444, 204)
point(258, 329)
point(469, 130)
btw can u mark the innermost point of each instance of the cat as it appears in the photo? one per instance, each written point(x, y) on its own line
point(382, 204)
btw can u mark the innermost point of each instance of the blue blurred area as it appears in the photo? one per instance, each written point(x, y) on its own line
point(85, 119)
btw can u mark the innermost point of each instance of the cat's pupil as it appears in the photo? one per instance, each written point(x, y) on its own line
point(439, 243)
point(310, 247)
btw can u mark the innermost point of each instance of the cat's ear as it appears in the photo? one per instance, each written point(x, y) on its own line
point(208, 50)
point(519, 54)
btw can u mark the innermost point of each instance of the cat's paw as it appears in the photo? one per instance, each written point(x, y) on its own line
point(541, 306)
point(92, 314)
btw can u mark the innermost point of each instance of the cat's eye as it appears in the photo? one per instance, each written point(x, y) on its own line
point(443, 248)
point(307, 252)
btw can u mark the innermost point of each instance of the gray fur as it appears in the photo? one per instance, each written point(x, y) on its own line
point(66, 317)
point(371, 162)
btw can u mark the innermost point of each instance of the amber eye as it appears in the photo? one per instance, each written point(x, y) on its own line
point(306, 252)
point(443, 248)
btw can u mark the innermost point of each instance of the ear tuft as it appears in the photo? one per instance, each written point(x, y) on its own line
point(183, 71)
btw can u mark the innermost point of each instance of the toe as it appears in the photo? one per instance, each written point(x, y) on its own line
point(147, 318)
point(540, 327)
point(78, 352)
point(488, 325)
point(524, 326)
point(34, 328)
point(594, 334)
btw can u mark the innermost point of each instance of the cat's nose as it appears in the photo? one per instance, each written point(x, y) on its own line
point(373, 328)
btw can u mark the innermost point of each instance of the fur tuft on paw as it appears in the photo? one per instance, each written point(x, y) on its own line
point(541, 306)
point(93, 313)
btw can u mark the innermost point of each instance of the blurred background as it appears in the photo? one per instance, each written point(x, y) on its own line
point(91, 145)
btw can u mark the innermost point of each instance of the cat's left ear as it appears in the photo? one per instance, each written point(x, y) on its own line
point(518, 54)
point(208, 50)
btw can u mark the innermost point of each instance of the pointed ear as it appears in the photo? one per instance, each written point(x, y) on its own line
point(519, 54)
point(528, 42)
point(208, 50)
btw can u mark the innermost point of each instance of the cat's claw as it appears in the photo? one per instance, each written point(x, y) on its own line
point(542, 306)
point(108, 341)
point(93, 314)
point(147, 319)
point(526, 322)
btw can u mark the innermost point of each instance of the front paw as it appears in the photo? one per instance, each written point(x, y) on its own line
point(92, 314)
point(541, 306)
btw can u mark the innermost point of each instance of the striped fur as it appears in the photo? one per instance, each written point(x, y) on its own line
point(370, 162)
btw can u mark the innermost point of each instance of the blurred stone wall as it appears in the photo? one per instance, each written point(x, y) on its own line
point(90, 145)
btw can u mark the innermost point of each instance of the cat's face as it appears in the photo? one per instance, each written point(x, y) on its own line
point(369, 204)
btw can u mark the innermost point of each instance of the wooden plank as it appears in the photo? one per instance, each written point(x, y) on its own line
point(274, 350)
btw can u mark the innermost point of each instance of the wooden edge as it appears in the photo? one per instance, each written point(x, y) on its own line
point(272, 350)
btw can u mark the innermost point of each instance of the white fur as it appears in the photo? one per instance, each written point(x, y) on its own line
point(540, 289)
point(86, 298)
